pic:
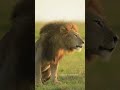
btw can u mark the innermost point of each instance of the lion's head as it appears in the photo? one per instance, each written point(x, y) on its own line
point(59, 38)
point(100, 40)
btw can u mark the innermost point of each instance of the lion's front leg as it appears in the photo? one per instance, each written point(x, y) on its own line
point(54, 69)
point(38, 72)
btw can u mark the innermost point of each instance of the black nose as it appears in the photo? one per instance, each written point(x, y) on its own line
point(115, 38)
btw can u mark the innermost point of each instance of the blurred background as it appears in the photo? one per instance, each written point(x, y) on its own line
point(6, 8)
point(106, 75)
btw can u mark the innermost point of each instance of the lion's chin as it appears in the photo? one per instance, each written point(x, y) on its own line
point(78, 49)
point(74, 50)
point(105, 55)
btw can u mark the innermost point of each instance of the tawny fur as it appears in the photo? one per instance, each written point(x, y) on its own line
point(56, 39)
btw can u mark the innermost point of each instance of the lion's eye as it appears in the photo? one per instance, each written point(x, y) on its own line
point(99, 23)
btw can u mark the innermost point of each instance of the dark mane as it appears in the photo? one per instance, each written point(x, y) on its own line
point(51, 38)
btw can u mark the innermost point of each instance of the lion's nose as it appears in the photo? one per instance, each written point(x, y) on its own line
point(115, 38)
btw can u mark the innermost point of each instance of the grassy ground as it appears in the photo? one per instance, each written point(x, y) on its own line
point(71, 69)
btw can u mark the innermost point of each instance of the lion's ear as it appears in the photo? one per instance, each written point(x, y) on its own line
point(63, 29)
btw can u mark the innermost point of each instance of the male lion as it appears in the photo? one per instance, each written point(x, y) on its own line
point(56, 39)
point(100, 40)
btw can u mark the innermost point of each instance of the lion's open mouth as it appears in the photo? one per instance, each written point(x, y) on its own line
point(77, 47)
point(107, 49)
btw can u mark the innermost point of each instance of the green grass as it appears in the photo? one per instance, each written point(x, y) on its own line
point(71, 70)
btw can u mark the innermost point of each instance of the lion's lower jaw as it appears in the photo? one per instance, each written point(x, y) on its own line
point(78, 49)
point(102, 55)
point(73, 50)
point(105, 55)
